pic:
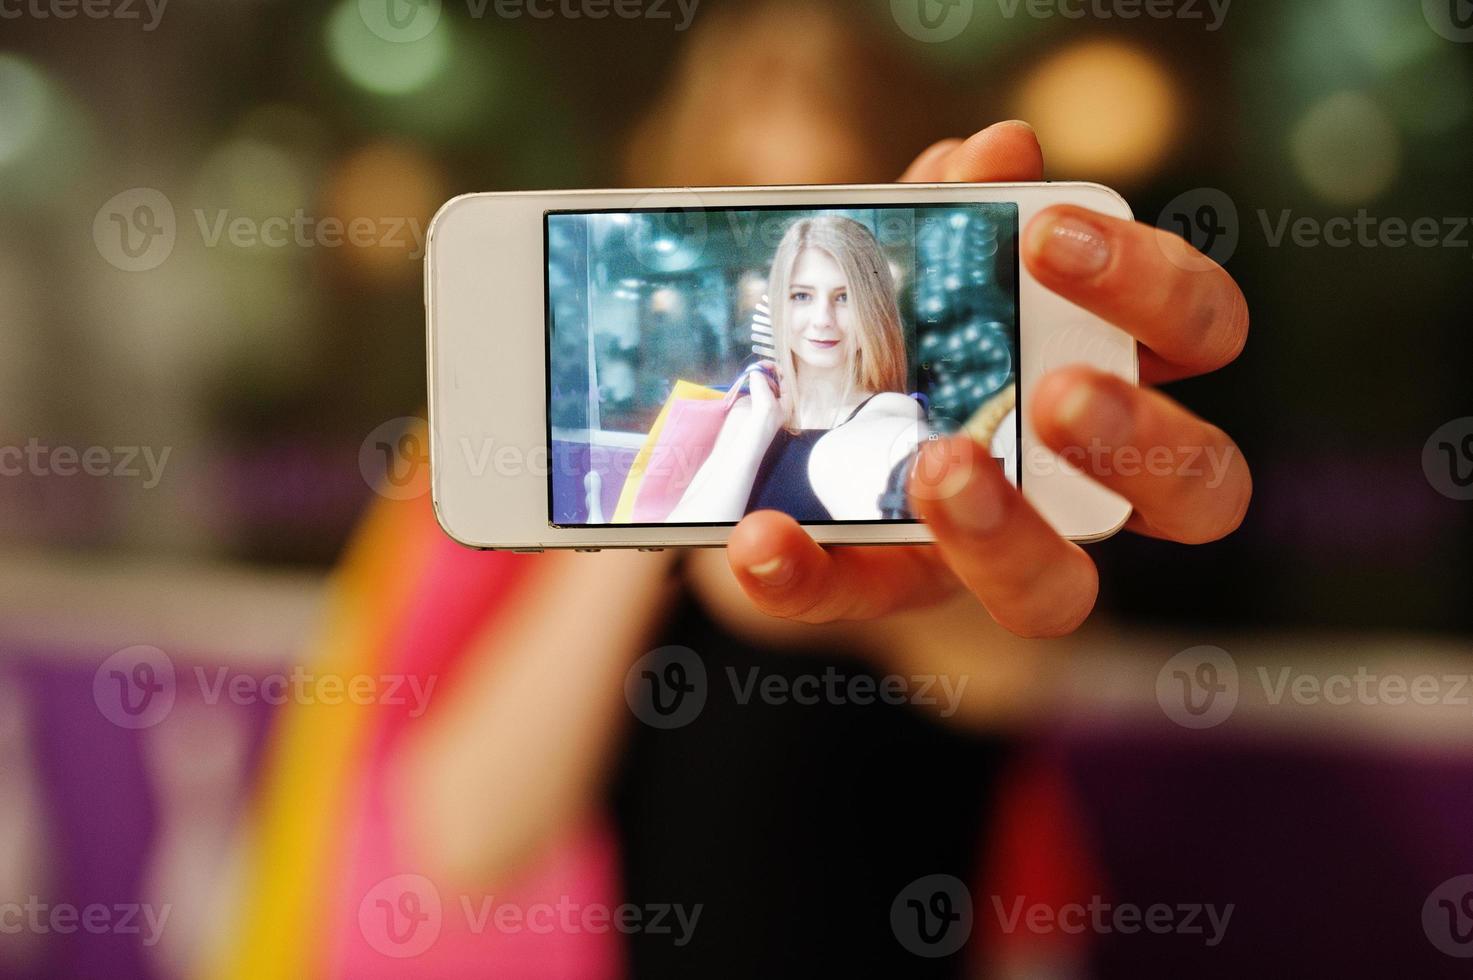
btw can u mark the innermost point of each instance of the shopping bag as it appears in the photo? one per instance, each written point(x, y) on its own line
point(679, 442)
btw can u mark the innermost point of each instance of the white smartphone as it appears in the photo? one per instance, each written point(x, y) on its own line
point(641, 368)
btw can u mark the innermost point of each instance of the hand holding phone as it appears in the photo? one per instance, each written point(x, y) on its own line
point(1190, 317)
point(582, 334)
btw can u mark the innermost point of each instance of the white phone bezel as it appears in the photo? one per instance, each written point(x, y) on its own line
point(485, 282)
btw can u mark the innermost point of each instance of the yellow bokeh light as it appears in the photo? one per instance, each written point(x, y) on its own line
point(1103, 111)
point(253, 177)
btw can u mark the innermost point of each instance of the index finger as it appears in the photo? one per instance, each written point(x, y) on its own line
point(1154, 285)
point(1003, 151)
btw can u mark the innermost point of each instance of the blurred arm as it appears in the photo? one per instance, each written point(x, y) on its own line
point(515, 755)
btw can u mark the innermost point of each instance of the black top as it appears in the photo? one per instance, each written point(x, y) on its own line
point(782, 482)
point(794, 825)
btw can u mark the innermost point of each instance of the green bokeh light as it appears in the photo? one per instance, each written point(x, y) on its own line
point(384, 67)
point(463, 99)
point(23, 104)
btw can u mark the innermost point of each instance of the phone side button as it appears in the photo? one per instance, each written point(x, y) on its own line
point(588, 551)
point(652, 551)
point(526, 551)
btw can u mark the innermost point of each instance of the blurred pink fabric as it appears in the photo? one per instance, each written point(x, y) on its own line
point(386, 923)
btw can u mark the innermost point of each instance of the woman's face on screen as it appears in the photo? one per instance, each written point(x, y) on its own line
point(819, 314)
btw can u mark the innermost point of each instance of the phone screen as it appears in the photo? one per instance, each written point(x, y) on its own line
point(704, 363)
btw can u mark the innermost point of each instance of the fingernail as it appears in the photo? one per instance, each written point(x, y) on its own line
point(775, 572)
point(979, 505)
point(1071, 247)
point(943, 470)
point(1019, 122)
point(1093, 411)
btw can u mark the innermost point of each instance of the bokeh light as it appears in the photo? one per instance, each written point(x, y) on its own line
point(396, 188)
point(253, 177)
point(23, 104)
point(382, 66)
point(1434, 96)
point(1386, 35)
point(1103, 109)
point(1346, 148)
point(290, 126)
point(464, 98)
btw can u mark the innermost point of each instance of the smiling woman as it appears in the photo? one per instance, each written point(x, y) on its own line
point(827, 420)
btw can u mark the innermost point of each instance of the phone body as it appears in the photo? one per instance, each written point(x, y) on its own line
point(566, 328)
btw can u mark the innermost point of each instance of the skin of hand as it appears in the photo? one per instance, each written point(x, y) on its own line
point(1190, 318)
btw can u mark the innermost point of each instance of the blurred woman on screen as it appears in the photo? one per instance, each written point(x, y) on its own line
point(828, 420)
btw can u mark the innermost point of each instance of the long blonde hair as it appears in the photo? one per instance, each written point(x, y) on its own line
point(879, 362)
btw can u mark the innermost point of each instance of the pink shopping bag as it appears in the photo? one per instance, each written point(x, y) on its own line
point(678, 444)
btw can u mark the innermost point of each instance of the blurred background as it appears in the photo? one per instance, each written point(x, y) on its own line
point(211, 227)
